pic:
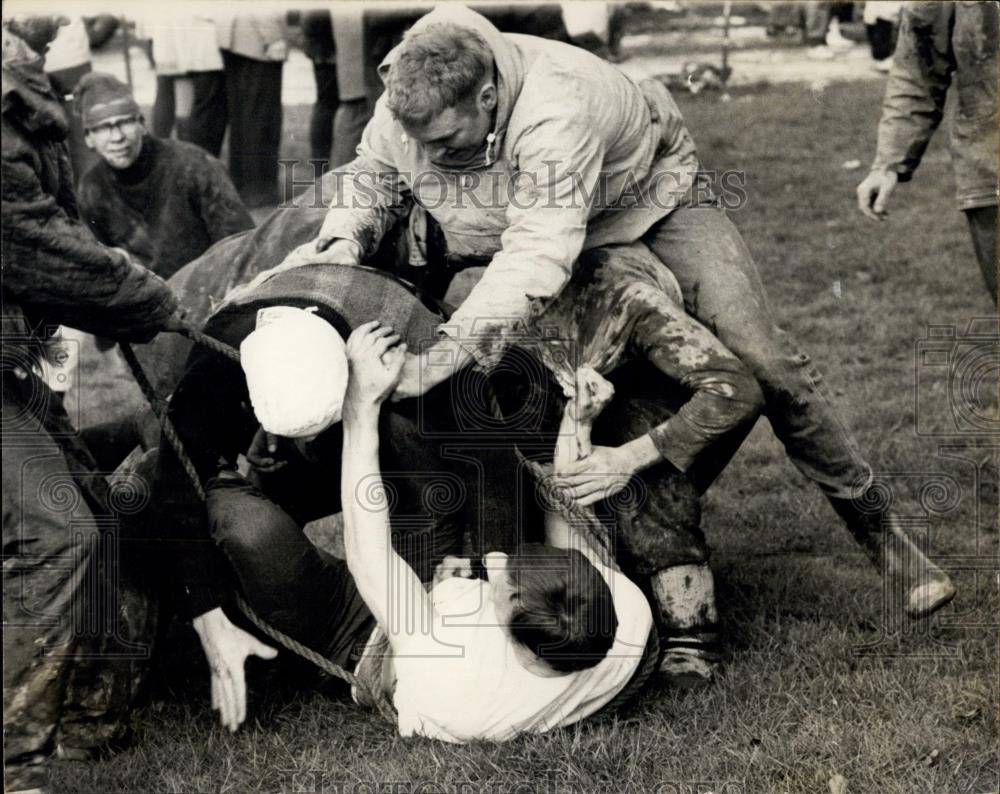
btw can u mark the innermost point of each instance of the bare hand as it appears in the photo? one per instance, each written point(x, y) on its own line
point(263, 452)
point(874, 192)
point(226, 648)
point(376, 360)
point(340, 252)
point(602, 474)
point(452, 566)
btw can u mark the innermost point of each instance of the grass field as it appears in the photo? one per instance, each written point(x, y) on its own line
point(819, 680)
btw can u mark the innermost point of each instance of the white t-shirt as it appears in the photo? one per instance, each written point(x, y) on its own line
point(467, 683)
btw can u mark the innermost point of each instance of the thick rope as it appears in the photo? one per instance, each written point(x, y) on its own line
point(554, 496)
point(159, 407)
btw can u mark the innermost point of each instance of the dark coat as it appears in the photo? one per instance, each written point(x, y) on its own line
point(54, 270)
point(167, 208)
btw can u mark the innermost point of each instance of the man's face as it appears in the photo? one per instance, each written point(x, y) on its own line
point(118, 140)
point(458, 132)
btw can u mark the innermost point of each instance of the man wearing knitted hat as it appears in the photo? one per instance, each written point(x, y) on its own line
point(163, 201)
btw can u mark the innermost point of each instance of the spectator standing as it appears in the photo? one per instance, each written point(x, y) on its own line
point(317, 43)
point(190, 85)
point(253, 53)
point(163, 201)
point(941, 45)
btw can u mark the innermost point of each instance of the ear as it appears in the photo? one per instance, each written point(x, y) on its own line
point(89, 140)
point(488, 97)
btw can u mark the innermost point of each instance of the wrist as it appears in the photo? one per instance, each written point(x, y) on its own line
point(360, 419)
point(640, 453)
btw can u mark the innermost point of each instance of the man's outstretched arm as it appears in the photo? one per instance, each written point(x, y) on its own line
point(389, 587)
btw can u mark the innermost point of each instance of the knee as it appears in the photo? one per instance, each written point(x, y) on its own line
point(245, 523)
point(769, 353)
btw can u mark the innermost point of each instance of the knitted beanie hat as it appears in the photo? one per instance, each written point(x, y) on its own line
point(102, 96)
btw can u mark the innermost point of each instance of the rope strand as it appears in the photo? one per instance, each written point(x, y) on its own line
point(159, 408)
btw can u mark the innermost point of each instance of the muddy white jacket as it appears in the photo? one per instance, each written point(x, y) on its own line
point(580, 156)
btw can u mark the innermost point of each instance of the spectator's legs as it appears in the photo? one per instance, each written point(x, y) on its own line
point(164, 107)
point(723, 289)
point(207, 125)
point(983, 226)
point(348, 124)
point(817, 21)
point(881, 39)
point(321, 119)
point(253, 96)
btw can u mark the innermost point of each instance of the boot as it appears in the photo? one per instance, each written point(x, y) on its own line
point(684, 596)
point(925, 587)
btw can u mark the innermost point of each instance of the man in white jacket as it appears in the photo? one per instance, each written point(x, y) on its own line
point(527, 152)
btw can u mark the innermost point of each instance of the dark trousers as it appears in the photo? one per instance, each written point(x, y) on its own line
point(253, 111)
point(79, 618)
point(983, 227)
point(881, 38)
point(723, 289)
point(323, 112)
point(207, 125)
point(164, 107)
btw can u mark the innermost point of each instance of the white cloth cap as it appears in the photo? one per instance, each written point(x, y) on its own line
point(296, 369)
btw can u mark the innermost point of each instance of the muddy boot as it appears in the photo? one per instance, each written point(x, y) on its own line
point(684, 598)
point(924, 587)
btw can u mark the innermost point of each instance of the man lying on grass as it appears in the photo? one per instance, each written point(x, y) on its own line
point(551, 638)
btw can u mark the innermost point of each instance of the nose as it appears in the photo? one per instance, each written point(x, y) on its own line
point(116, 133)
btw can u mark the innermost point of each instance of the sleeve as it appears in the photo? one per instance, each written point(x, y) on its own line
point(91, 207)
point(724, 394)
point(222, 210)
point(371, 195)
point(51, 260)
point(558, 170)
point(915, 94)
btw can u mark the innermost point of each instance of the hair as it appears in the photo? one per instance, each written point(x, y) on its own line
point(436, 67)
point(563, 611)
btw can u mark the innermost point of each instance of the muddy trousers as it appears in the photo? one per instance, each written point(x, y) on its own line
point(77, 626)
point(723, 289)
point(983, 227)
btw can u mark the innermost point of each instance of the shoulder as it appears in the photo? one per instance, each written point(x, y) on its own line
point(185, 153)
